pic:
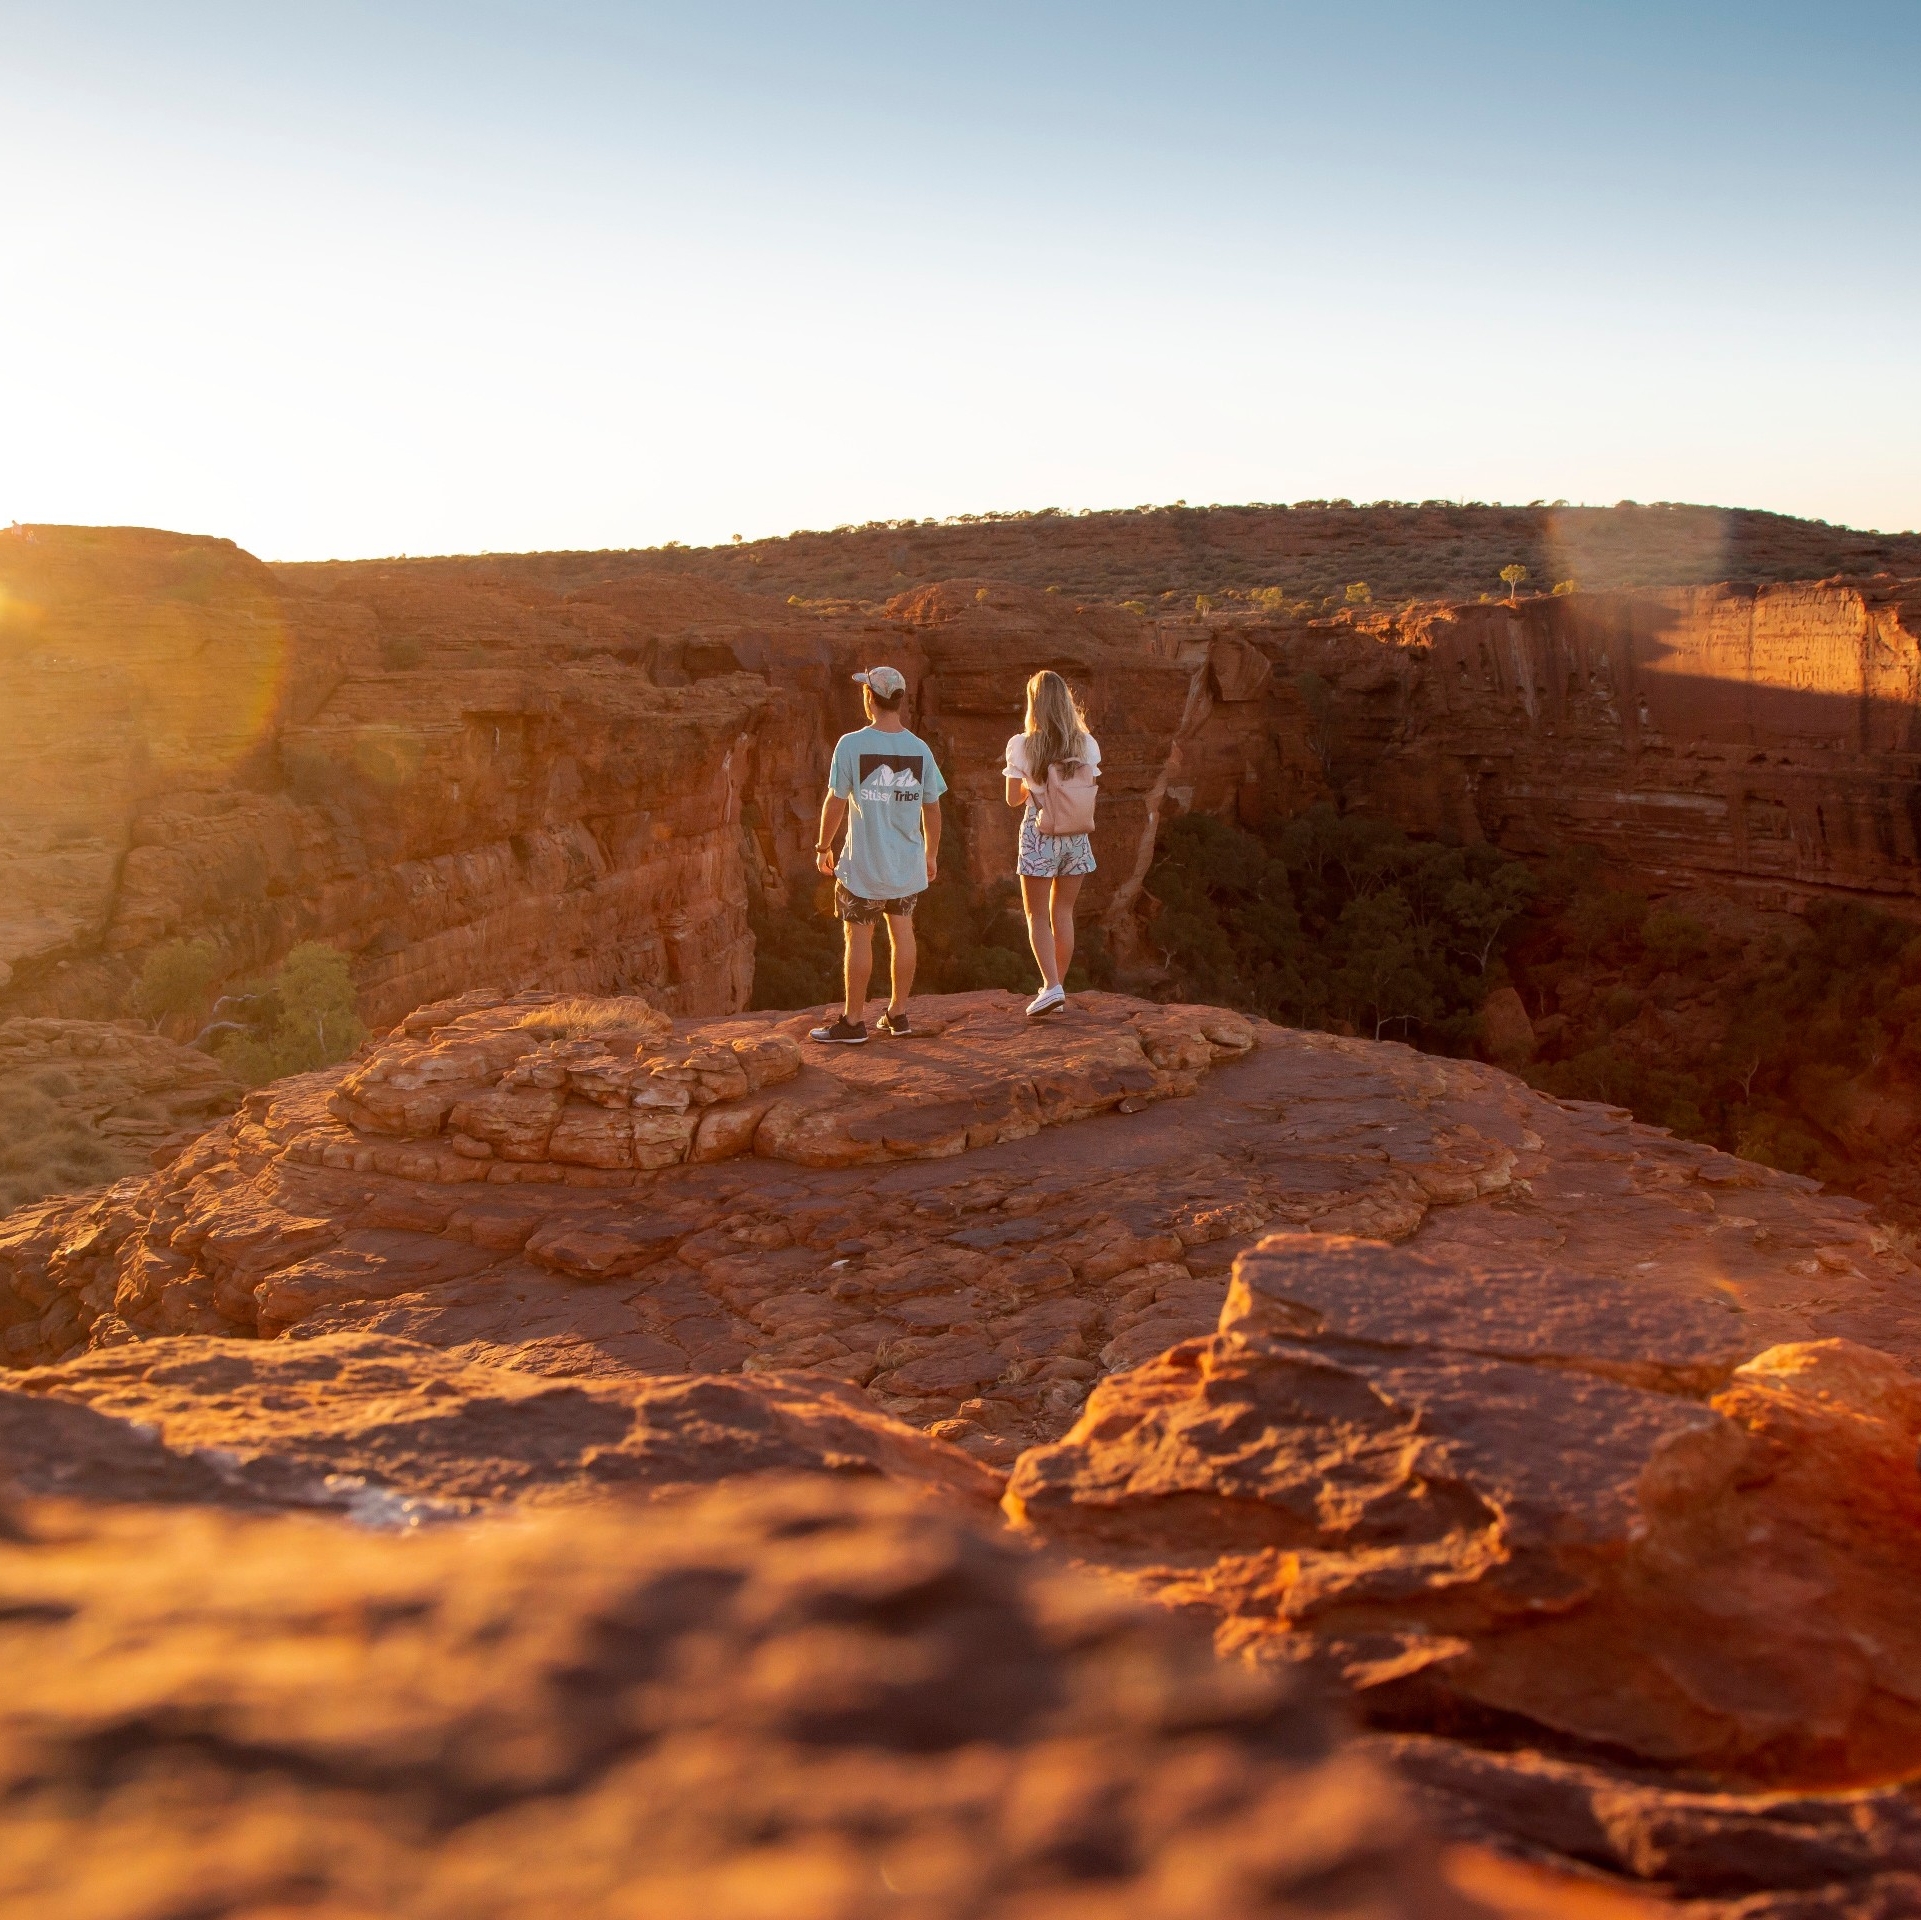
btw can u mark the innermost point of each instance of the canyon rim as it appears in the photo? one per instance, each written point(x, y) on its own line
point(1175, 1462)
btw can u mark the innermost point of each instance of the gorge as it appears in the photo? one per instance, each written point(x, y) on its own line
point(831, 1473)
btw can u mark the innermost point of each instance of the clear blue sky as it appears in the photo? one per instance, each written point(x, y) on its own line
point(354, 279)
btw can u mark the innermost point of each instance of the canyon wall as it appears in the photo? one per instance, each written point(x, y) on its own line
point(1764, 741)
point(457, 785)
point(460, 773)
point(460, 777)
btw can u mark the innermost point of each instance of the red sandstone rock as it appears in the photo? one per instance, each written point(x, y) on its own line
point(987, 1284)
point(463, 771)
point(798, 1699)
point(1542, 1496)
point(1716, 1855)
point(1758, 741)
point(397, 1432)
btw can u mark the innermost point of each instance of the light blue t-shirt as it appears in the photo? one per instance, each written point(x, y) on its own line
point(885, 778)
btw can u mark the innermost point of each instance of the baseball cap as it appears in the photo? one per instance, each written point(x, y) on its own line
point(883, 681)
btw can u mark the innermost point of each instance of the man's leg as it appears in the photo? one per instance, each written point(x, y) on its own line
point(1040, 930)
point(858, 966)
point(1066, 891)
point(900, 942)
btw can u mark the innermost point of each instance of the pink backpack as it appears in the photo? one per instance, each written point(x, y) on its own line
point(1069, 804)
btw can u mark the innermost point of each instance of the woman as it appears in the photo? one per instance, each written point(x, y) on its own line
point(1052, 865)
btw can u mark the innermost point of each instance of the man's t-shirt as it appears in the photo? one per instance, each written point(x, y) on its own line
point(885, 778)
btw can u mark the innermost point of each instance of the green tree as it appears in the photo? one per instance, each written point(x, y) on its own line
point(176, 982)
point(1385, 976)
point(1359, 594)
point(1482, 910)
point(1513, 574)
point(304, 1019)
point(1604, 919)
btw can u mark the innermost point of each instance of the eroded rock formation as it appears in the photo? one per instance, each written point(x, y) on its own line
point(1527, 1429)
point(83, 1102)
point(1759, 740)
point(1530, 1499)
point(459, 771)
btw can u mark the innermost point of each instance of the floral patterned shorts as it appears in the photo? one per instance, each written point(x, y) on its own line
point(1051, 856)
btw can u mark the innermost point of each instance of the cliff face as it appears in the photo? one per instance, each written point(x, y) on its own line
point(1759, 740)
point(461, 777)
point(465, 785)
point(458, 773)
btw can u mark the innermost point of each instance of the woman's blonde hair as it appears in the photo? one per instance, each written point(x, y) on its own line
point(1056, 728)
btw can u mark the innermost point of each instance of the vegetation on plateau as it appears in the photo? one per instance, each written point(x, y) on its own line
point(47, 1145)
point(300, 1017)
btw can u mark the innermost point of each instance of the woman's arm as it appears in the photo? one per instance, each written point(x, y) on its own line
point(1016, 792)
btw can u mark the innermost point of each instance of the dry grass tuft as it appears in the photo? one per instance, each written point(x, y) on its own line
point(580, 1019)
point(47, 1148)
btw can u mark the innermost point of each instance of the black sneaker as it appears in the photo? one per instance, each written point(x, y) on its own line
point(843, 1033)
point(895, 1025)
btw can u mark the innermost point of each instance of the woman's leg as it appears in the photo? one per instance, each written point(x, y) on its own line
point(1040, 931)
point(1066, 890)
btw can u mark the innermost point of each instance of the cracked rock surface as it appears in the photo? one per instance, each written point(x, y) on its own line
point(1582, 1457)
point(1500, 1514)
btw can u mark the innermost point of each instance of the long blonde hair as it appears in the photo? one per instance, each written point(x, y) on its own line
point(1056, 728)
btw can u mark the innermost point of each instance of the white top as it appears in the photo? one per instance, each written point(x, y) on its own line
point(1015, 766)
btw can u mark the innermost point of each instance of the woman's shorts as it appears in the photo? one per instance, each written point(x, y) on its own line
point(1051, 856)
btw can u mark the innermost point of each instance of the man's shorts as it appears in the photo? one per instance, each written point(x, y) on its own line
point(863, 912)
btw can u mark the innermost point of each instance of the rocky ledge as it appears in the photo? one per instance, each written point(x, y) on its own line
point(1581, 1459)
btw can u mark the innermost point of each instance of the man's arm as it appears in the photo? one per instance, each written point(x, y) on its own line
point(930, 830)
point(833, 811)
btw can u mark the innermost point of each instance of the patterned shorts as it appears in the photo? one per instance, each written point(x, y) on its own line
point(861, 911)
point(1051, 856)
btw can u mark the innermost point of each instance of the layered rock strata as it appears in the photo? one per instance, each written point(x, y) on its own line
point(395, 1434)
point(1764, 741)
point(1528, 1427)
point(975, 1224)
point(462, 771)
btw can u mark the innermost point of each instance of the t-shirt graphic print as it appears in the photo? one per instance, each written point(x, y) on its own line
point(891, 776)
point(885, 778)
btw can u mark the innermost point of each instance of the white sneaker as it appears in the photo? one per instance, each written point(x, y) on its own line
point(1048, 1000)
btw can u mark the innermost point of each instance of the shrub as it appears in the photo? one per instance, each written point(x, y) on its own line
point(176, 982)
point(580, 1018)
point(1672, 939)
point(303, 1019)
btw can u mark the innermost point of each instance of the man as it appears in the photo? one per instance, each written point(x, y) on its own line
point(886, 780)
